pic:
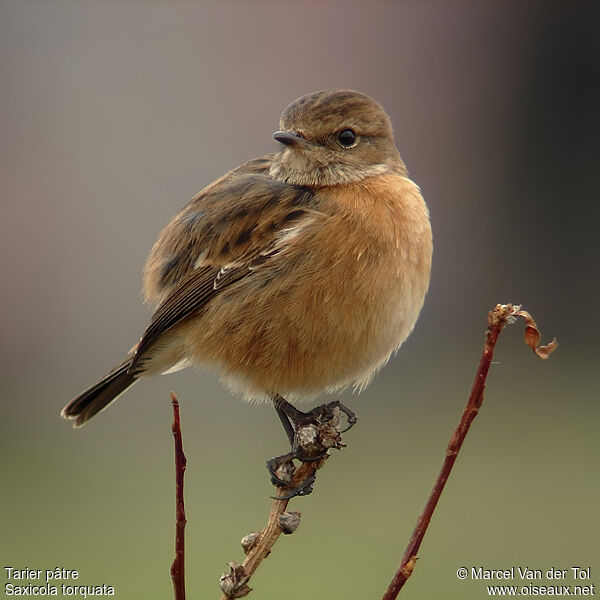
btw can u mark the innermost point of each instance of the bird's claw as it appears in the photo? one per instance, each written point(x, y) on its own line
point(311, 435)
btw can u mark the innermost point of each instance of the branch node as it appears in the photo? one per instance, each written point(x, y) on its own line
point(286, 471)
point(289, 521)
point(409, 566)
point(234, 583)
point(249, 541)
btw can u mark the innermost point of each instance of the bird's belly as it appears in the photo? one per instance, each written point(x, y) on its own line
point(311, 336)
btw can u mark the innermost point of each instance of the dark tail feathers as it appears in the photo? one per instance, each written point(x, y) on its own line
point(99, 396)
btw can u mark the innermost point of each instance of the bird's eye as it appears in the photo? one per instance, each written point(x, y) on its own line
point(347, 138)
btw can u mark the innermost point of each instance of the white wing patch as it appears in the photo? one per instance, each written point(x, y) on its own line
point(288, 235)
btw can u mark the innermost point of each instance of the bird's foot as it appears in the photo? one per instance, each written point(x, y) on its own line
point(311, 435)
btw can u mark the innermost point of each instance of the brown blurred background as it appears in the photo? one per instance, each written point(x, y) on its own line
point(113, 114)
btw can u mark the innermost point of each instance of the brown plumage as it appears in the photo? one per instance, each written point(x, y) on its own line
point(297, 272)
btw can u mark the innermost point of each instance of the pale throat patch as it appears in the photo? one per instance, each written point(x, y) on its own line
point(333, 174)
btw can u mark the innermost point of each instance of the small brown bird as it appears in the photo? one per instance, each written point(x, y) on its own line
point(298, 272)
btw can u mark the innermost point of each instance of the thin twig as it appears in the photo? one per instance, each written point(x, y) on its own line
point(178, 566)
point(498, 318)
point(235, 583)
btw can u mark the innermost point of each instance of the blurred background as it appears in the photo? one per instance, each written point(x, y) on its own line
point(113, 114)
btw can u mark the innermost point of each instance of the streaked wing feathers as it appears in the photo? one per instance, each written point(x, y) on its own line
point(230, 227)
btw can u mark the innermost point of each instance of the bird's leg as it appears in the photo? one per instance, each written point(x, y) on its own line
point(311, 434)
point(286, 413)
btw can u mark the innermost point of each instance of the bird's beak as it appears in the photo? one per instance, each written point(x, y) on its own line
point(289, 138)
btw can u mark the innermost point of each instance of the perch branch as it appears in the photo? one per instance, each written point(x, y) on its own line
point(498, 318)
point(178, 566)
point(326, 434)
point(258, 545)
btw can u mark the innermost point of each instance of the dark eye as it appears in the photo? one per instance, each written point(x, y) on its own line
point(347, 138)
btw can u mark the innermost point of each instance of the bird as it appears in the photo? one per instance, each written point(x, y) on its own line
point(299, 272)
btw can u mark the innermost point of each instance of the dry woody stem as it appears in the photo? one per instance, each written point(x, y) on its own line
point(316, 436)
point(498, 318)
point(235, 583)
point(178, 566)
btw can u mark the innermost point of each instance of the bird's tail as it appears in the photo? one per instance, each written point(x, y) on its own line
point(99, 396)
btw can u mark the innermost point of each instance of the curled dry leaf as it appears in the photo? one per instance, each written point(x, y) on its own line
point(532, 335)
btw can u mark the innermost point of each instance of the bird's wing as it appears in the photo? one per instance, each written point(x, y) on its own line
point(232, 227)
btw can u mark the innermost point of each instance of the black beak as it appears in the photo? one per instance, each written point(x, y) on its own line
point(289, 138)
